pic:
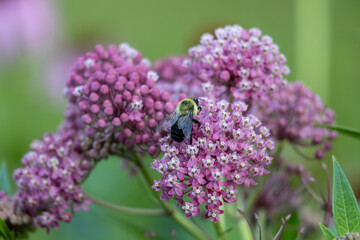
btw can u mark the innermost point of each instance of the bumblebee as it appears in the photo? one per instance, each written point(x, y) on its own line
point(181, 120)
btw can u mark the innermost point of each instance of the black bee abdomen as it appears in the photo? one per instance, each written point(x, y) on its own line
point(176, 133)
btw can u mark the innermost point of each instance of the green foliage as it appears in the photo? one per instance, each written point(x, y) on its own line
point(344, 130)
point(345, 208)
point(5, 232)
point(4, 178)
point(327, 233)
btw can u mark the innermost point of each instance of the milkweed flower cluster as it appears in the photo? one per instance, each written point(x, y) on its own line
point(173, 77)
point(292, 114)
point(229, 149)
point(238, 60)
point(114, 92)
point(10, 212)
point(48, 182)
point(277, 196)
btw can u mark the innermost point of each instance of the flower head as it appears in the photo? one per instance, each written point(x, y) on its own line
point(49, 181)
point(293, 113)
point(277, 195)
point(238, 60)
point(14, 216)
point(113, 90)
point(228, 150)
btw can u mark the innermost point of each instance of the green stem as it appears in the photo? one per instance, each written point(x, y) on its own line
point(178, 217)
point(131, 210)
point(220, 230)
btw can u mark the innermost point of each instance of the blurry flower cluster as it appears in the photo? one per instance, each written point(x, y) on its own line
point(292, 114)
point(228, 149)
point(277, 196)
point(173, 77)
point(10, 212)
point(280, 194)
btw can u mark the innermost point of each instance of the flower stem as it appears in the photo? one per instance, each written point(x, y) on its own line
point(131, 210)
point(178, 217)
point(220, 230)
point(281, 229)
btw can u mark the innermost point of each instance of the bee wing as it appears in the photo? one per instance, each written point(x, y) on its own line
point(167, 122)
point(185, 123)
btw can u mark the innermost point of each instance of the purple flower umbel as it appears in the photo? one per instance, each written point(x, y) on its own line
point(48, 182)
point(238, 60)
point(292, 114)
point(114, 92)
point(11, 213)
point(228, 149)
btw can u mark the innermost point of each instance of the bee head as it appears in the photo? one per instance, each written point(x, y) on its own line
point(186, 105)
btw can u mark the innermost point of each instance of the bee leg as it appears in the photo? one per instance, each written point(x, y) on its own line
point(190, 139)
point(197, 122)
point(199, 109)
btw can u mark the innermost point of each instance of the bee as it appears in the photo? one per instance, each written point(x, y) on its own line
point(181, 120)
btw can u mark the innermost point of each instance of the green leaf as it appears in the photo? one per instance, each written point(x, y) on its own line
point(4, 179)
point(327, 233)
point(5, 231)
point(341, 129)
point(345, 209)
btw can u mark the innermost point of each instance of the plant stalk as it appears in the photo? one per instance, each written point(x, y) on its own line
point(131, 210)
point(220, 230)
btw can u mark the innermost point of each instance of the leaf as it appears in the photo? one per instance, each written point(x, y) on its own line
point(5, 231)
point(341, 129)
point(345, 209)
point(4, 178)
point(327, 233)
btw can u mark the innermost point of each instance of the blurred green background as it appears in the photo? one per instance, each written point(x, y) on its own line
point(321, 40)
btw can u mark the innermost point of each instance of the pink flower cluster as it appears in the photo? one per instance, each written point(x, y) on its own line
point(10, 212)
point(171, 69)
point(277, 195)
point(292, 114)
point(240, 60)
point(113, 90)
point(48, 182)
point(228, 149)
